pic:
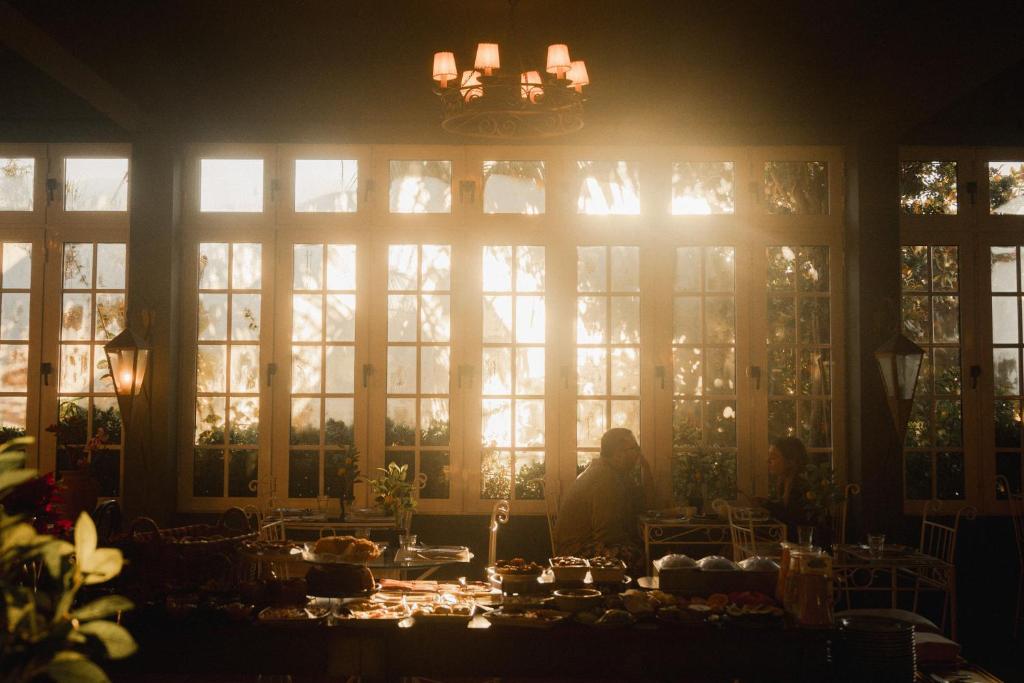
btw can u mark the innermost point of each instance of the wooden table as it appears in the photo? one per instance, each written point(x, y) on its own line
point(856, 570)
point(705, 532)
point(385, 652)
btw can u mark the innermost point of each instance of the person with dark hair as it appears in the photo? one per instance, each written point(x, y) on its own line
point(787, 459)
point(599, 513)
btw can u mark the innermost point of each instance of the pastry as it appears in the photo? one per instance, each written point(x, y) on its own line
point(347, 548)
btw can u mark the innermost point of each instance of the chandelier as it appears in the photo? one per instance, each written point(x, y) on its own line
point(511, 104)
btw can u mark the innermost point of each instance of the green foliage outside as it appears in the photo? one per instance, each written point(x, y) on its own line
point(46, 630)
point(928, 187)
point(1004, 187)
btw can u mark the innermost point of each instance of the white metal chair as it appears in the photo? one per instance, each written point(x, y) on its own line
point(745, 542)
point(939, 541)
point(499, 516)
point(839, 514)
point(1016, 504)
point(550, 508)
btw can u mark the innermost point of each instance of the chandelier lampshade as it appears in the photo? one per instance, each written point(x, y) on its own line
point(558, 60)
point(487, 58)
point(444, 68)
point(511, 104)
point(577, 75)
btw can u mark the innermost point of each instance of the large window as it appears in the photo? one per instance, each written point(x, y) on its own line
point(514, 304)
point(512, 384)
point(15, 337)
point(607, 345)
point(92, 313)
point(800, 346)
point(933, 450)
point(227, 407)
point(323, 336)
point(417, 429)
point(704, 362)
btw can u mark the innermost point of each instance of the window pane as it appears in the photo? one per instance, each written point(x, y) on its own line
point(796, 187)
point(514, 187)
point(702, 188)
point(231, 185)
point(420, 187)
point(936, 417)
point(95, 184)
point(607, 188)
point(326, 185)
point(607, 344)
point(17, 183)
point(1005, 187)
point(928, 187)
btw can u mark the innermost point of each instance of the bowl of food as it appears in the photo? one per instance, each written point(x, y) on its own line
point(569, 568)
point(759, 564)
point(577, 599)
point(517, 567)
point(607, 570)
point(458, 614)
point(716, 563)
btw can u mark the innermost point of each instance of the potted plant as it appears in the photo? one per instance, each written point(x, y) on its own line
point(393, 492)
point(823, 496)
point(701, 476)
point(75, 459)
point(43, 632)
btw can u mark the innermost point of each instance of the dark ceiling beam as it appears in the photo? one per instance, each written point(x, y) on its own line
point(39, 49)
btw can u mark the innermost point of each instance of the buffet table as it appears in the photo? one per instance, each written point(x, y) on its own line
point(565, 651)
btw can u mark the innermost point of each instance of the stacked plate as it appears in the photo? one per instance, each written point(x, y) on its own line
point(874, 649)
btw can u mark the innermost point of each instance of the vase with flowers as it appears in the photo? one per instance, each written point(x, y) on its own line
point(393, 492)
point(75, 460)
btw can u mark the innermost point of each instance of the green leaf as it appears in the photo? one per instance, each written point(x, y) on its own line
point(103, 607)
point(21, 535)
point(116, 639)
point(12, 478)
point(103, 565)
point(11, 461)
point(85, 539)
point(71, 667)
point(12, 444)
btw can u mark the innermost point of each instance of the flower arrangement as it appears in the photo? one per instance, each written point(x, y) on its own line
point(702, 475)
point(43, 632)
point(823, 493)
point(40, 499)
point(393, 492)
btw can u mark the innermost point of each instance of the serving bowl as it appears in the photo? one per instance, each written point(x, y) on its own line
point(716, 563)
point(577, 599)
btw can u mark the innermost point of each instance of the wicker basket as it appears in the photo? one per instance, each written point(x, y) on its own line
point(185, 557)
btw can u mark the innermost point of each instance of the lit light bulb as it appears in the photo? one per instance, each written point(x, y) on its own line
point(126, 379)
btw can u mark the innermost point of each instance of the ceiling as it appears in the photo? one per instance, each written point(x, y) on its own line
point(314, 70)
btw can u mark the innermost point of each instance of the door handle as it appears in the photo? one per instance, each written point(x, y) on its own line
point(754, 373)
point(975, 374)
point(367, 371)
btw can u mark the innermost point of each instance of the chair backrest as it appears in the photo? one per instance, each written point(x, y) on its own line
point(499, 516)
point(744, 542)
point(550, 497)
point(839, 513)
point(272, 531)
point(1016, 504)
point(107, 517)
point(939, 540)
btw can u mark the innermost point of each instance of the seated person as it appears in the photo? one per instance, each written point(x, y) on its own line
point(599, 512)
point(787, 459)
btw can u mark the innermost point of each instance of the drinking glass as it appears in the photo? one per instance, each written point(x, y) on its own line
point(876, 544)
point(805, 535)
